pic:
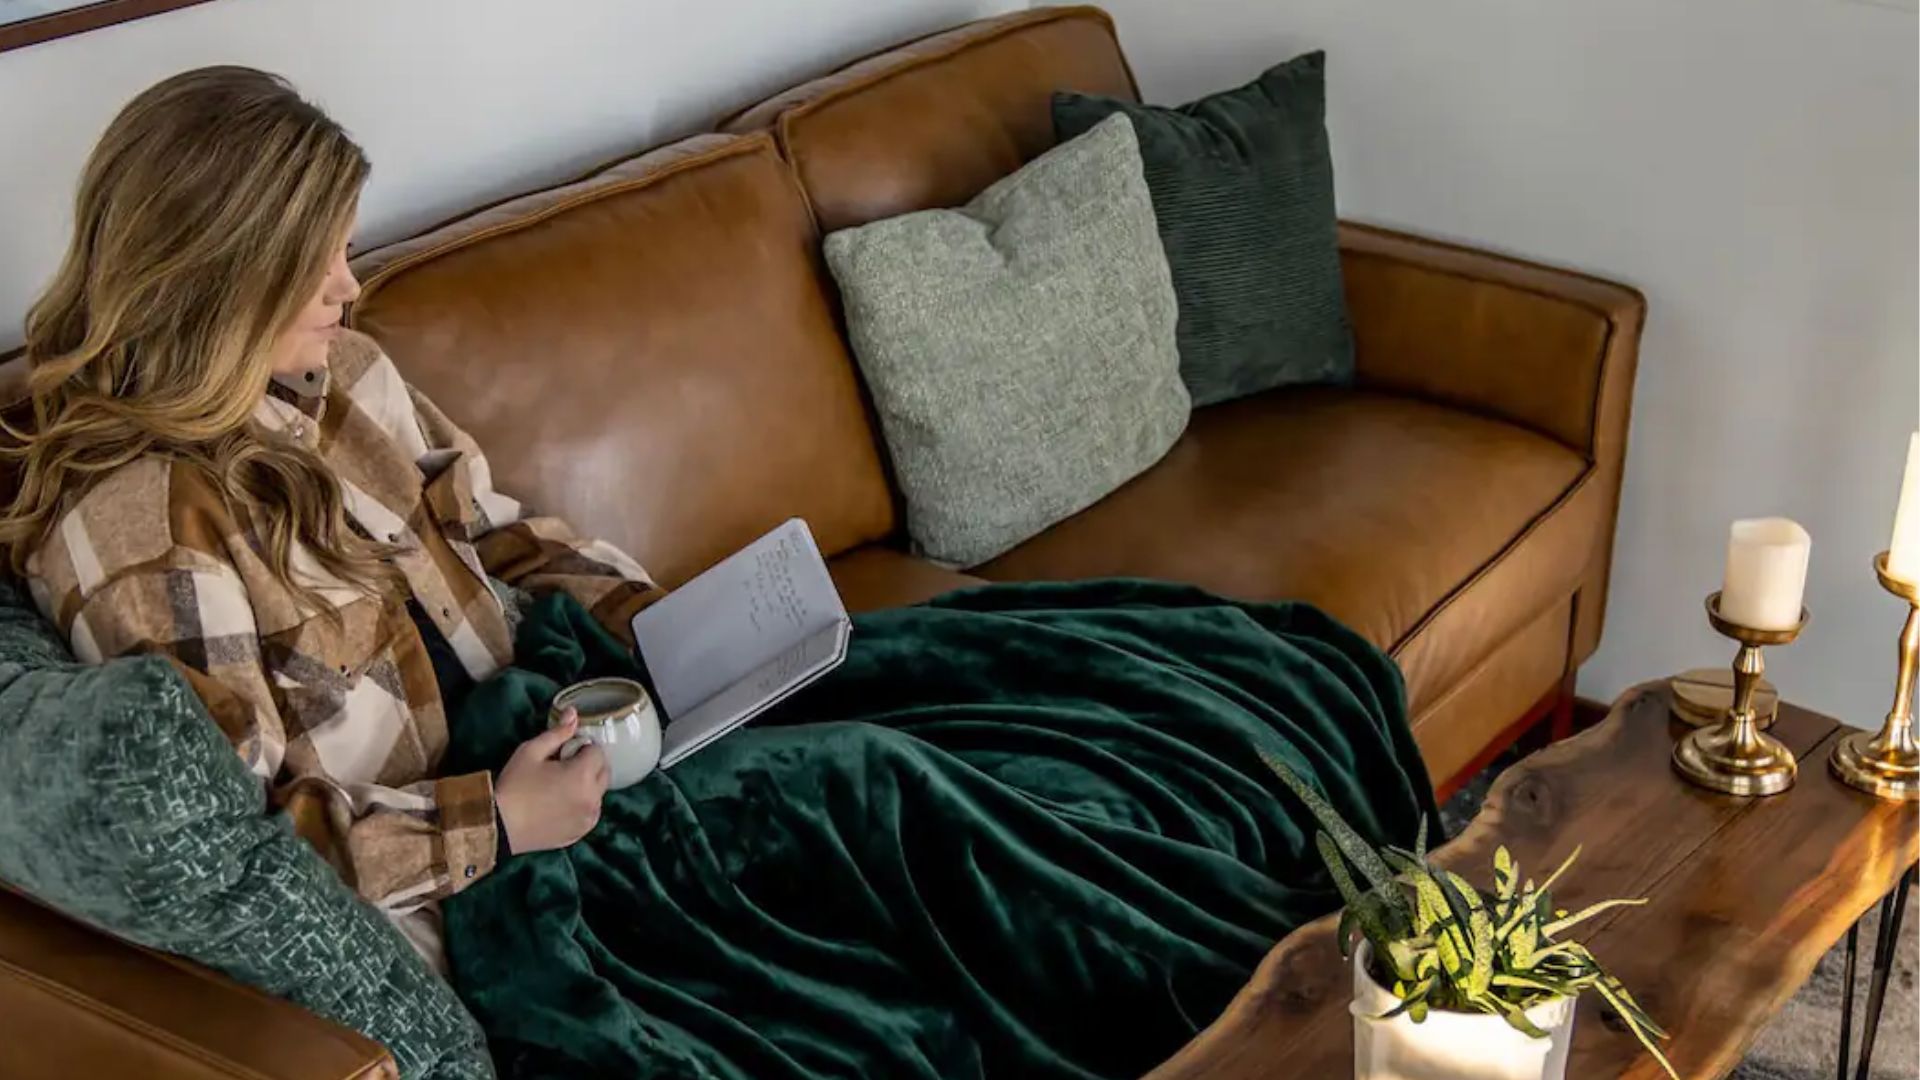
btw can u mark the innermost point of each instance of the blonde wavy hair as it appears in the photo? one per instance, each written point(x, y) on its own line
point(205, 221)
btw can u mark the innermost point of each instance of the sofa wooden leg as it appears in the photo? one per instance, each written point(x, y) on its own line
point(1560, 714)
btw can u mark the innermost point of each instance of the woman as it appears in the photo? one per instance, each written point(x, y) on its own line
point(220, 473)
point(1024, 830)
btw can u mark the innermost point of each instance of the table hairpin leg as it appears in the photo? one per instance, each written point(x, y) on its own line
point(1846, 999)
point(1886, 942)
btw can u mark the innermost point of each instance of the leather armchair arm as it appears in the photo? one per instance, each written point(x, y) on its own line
point(75, 1002)
point(1546, 349)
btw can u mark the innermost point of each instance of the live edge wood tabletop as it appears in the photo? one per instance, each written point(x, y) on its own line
point(1745, 897)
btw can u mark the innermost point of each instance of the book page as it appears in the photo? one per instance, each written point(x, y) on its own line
point(763, 688)
point(751, 607)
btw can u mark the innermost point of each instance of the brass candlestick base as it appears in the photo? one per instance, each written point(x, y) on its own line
point(1702, 696)
point(1736, 757)
point(1887, 763)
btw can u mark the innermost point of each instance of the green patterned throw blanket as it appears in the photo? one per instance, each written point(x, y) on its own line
point(1024, 831)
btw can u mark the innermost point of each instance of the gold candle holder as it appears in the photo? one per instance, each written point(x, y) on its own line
point(1887, 763)
point(1736, 756)
point(1701, 697)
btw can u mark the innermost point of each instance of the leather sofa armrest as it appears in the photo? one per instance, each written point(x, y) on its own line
point(1550, 350)
point(75, 1002)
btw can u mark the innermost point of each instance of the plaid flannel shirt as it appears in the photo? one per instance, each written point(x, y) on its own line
point(342, 720)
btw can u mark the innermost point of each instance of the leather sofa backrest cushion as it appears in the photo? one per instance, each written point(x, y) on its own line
point(651, 353)
point(933, 123)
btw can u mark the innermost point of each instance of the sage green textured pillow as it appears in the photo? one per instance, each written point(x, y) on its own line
point(1020, 350)
point(1243, 185)
point(123, 805)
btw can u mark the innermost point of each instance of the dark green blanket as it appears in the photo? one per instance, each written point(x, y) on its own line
point(1023, 832)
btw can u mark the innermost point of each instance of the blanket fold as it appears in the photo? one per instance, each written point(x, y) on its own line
point(1024, 831)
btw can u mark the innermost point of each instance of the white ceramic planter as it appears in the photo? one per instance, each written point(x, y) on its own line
point(1452, 1045)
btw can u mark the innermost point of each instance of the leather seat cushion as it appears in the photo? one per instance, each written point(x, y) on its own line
point(875, 577)
point(1437, 534)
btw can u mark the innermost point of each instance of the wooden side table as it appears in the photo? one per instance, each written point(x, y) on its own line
point(1745, 897)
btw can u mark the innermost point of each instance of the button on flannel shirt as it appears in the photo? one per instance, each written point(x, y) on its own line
point(342, 721)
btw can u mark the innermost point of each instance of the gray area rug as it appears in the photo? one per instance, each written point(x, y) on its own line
point(1803, 1042)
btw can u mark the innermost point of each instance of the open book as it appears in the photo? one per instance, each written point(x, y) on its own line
point(726, 646)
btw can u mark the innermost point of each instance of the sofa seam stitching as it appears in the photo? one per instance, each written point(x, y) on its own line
point(1572, 491)
point(1536, 292)
point(122, 1018)
point(737, 145)
point(1613, 320)
point(1635, 298)
point(1029, 19)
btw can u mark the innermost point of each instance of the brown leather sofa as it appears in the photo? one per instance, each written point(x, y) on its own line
point(654, 351)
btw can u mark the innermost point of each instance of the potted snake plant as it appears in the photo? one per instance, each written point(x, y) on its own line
point(1453, 983)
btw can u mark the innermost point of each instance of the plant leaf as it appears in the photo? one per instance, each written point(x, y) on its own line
point(1446, 947)
point(1517, 1019)
point(1568, 949)
point(1464, 893)
point(1516, 912)
point(1337, 869)
point(1433, 915)
point(1480, 950)
point(1505, 881)
point(1351, 843)
point(1474, 929)
point(1402, 862)
point(1404, 954)
point(1521, 943)
point(1555, 876)
point(1416, 995)
point(1362, 908)
point(1633, 1025)
point(1462, 898)
point(1619, 990)
point(1427, 963)
point(1545, 986)
point(1567, 921)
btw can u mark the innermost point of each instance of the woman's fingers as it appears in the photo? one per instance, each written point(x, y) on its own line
point(548, 743)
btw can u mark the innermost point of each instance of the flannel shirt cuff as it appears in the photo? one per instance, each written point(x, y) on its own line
point(467, 829)
point(616, 609)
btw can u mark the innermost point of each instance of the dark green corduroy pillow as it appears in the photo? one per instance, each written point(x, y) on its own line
point(1243, 187)
point(123, 805)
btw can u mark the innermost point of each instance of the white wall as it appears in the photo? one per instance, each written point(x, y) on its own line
point(1750, 164)
point(456, 101)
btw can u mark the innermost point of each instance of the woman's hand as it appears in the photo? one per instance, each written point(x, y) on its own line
point(547, 803)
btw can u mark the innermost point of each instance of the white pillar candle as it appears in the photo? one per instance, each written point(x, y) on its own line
point(1903, 554)
point(1766, 574)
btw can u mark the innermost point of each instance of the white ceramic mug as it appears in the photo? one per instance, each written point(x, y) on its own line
point(618, 716)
